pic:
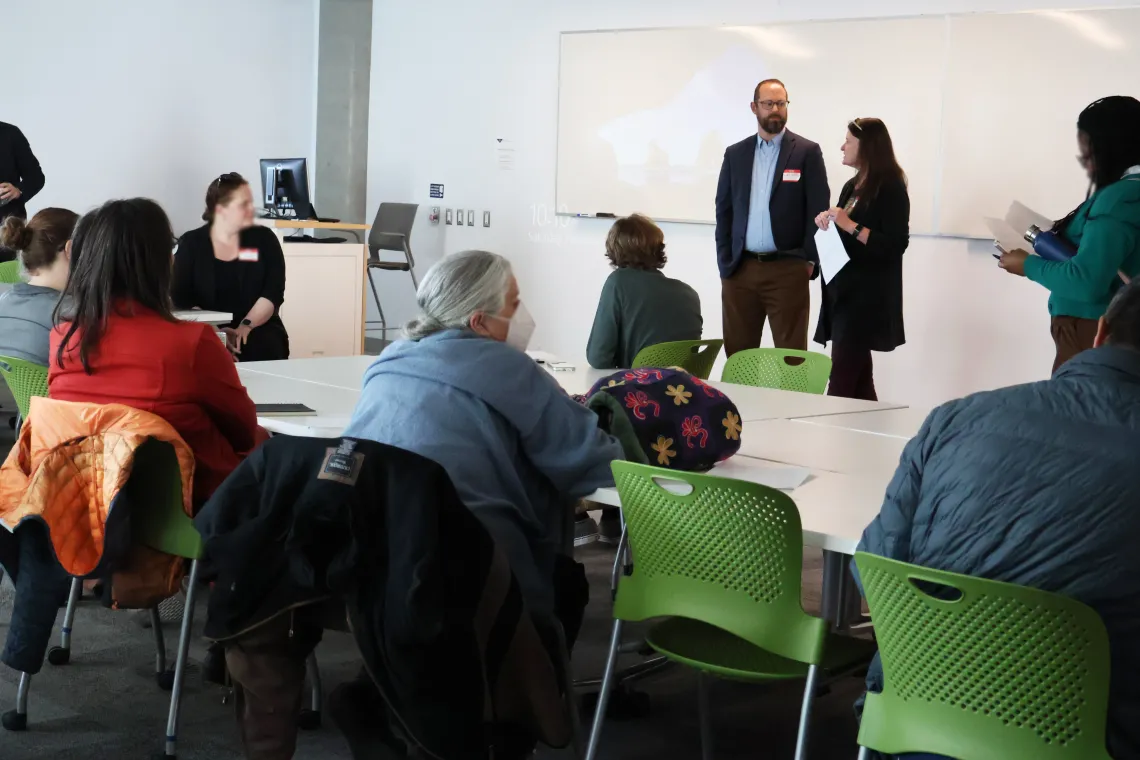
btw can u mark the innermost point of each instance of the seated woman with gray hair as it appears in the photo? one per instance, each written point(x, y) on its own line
point(461, 391)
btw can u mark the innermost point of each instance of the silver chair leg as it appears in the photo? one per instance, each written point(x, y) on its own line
point(22, 693)
point(316, 694)
point(180, 662)
point(69, 613)
point(805, 712)
point(864, 753)
point(159, 642)
point(604, 693)
point(17, 720)
point(704, 716)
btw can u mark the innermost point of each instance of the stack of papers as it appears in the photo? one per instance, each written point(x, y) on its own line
point(1009, 233)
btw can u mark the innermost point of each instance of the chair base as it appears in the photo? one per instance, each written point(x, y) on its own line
point(712, 650)
point(59, 656)
point(309, 720)
point(15, 721)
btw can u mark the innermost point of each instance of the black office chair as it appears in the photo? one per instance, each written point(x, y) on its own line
point(392, 231)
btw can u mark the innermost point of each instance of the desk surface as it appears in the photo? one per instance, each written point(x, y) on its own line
point(754, 403)
point(895, 423)
point(819, 447)
point(850, 469)
point(333, 406)
point(312, 224)
point(208, 317)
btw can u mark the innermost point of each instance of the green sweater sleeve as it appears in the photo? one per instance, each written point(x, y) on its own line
point(602, 347)
point(1106, 243)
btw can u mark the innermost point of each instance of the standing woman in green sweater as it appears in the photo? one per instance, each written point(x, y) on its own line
point(1105, 229)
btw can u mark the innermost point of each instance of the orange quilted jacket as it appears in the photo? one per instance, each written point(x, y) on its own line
point(68, 465)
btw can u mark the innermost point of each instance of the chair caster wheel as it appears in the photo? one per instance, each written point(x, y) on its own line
point(14, 721)
point(59, 656)
point(165, 680)
point(309, 720)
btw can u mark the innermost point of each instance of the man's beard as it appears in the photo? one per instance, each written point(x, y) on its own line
point(773, 124)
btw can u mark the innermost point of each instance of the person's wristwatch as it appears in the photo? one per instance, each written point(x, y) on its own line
point(854, 233)
point(247, 323)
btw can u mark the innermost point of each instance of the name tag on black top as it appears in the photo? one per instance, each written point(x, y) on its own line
point(791, 175)
point(248, 254)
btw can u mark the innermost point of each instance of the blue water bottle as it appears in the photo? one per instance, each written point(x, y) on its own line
point(1049, 245)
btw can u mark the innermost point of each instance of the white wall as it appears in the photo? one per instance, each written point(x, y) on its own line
point(157, 97)
point(450, 77)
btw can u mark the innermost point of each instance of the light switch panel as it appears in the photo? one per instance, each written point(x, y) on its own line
point(486, 218)
point(449, 215)
point(470, 217)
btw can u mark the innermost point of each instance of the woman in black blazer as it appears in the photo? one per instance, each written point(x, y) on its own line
point(233, 265)
point(862, 309)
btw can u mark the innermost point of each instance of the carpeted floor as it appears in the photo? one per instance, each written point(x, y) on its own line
point(106, 705)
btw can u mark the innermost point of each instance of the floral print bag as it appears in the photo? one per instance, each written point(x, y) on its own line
point(667, 417)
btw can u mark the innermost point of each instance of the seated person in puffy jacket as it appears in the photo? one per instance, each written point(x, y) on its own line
point(639, 306)
point(1036, 485)
point(460, 391)
point(44, 247)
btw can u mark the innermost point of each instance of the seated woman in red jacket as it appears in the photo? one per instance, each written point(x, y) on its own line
point(117, 341)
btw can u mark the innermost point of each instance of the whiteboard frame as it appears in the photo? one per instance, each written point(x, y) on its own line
point(948, 17)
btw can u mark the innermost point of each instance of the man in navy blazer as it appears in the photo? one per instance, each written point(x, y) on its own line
point(772, 185)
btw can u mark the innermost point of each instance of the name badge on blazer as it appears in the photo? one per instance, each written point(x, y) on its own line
point(247, 254)
point(791, 175)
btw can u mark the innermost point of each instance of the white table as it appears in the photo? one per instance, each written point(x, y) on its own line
point(850, 469)
point(344, 372)
point(821, 448)
point(772, 404)
point(206, 317)
point(895, 423)
point(332, 406)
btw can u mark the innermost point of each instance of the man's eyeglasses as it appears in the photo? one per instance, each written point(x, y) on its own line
point(772, 105)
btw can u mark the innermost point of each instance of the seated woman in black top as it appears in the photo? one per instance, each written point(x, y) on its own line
point(233, 265)
point(862, 309)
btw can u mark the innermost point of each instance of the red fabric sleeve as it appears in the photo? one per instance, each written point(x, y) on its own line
point(222, 395)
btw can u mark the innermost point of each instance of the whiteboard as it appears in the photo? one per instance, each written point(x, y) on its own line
point(1015, 86)
point(982, 108)
point(645, 116)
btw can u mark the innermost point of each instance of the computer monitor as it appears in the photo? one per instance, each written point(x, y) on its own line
point(285, 188)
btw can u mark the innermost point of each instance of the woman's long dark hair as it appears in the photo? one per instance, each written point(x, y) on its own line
point(877, 163)
point(1113, 128)
point(121, 257)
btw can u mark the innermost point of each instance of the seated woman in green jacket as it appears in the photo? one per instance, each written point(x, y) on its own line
point(1105, 228)
point(639, 306)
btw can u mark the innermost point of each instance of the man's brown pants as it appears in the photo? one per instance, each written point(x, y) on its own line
point(267, 665)
point(1071, 335)
point(766, 290)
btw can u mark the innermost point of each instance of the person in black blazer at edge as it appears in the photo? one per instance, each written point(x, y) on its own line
point(862, 307)
point(20, 177)
point(232, 265)
point(771, 187)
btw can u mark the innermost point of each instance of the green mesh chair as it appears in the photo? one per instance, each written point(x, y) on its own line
point(694, 356)
point(158, 520)
point(24, 380)
point(720, 565)
point(10, 273)
point(994, 672)
point(768, 368)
